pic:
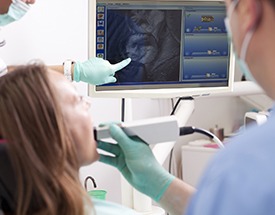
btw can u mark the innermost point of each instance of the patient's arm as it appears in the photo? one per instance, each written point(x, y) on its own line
point(176, 197)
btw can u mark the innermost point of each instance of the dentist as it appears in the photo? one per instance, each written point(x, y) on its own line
point(240, 178)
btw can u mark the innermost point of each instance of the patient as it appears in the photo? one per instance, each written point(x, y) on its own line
point(46, 135)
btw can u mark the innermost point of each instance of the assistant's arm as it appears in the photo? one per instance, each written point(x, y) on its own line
point(136, 162)
point(94, 71)
point(58, 68)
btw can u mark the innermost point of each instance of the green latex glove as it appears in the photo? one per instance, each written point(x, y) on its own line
point(136, 162)
point(98, 71)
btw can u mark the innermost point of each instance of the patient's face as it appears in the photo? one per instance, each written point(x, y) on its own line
point(78, 118)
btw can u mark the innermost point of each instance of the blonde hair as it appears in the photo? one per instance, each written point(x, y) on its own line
point(39, 144)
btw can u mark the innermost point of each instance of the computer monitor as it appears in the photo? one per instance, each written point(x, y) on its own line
point(178, 48)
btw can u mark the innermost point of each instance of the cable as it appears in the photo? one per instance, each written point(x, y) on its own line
point(178, 102)
point(122, 109)
point(191, 129)
point(170, 161)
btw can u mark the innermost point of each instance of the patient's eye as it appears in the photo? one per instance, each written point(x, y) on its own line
point(80, 98)
point(84, 100)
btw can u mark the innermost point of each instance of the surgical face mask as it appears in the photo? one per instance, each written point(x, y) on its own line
point(16, 11)
point(240, 59)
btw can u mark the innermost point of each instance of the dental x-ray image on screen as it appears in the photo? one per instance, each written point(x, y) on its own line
point(176, 46)
point(150, 38)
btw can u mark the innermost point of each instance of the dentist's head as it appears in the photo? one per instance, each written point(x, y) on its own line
point(250, 24)
point(13, 10)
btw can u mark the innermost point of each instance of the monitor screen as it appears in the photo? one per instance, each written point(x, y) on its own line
point(178, 48)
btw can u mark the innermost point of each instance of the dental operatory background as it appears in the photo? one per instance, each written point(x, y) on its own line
point(56, 30)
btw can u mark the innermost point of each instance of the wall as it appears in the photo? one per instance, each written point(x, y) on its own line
point(55, 30)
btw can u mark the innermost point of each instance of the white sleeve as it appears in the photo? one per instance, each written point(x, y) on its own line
point(103, 207)
point(3, 68)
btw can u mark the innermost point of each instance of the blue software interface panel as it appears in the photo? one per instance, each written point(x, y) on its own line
point(177, 45)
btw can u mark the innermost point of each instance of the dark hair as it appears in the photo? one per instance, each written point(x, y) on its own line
point(40, 147)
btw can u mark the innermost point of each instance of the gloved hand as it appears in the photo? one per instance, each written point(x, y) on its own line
point(97, 71)
point(136, 162)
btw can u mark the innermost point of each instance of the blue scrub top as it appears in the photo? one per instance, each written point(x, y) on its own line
point(240, 180)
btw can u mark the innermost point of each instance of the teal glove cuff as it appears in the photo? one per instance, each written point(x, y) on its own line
point(77, 71)
point(167, 180)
